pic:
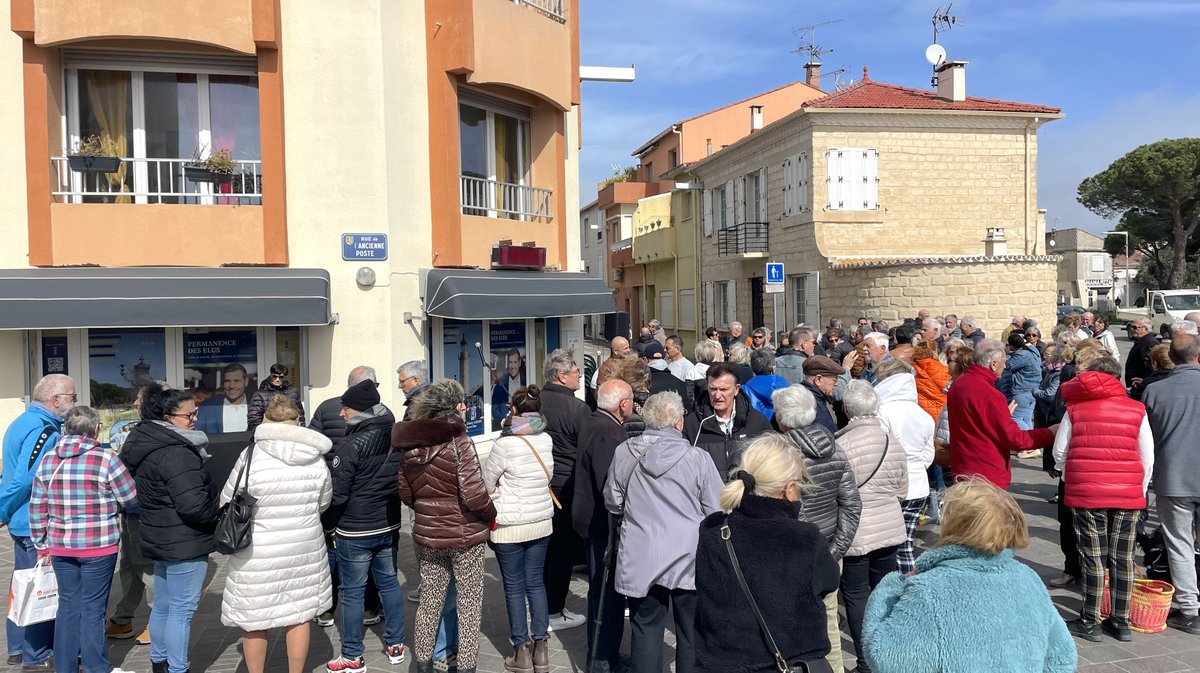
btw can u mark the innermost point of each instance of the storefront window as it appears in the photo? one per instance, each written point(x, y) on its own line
point(221, 368)
point(507, 345)
point(119, 362)
point(464, 364)
point(287, 353)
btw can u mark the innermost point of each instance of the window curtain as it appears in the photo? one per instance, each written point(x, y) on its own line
point(502, 131)
point(108, 91)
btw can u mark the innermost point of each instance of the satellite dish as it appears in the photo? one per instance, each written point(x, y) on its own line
point(935, 54)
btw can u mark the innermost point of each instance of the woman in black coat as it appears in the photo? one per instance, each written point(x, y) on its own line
point(785, 561)
point(178, 504)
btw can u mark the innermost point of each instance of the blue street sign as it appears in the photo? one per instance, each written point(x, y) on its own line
point(775, 272)
point(364, 247)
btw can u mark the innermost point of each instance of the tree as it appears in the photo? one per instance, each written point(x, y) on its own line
point(1155, 190)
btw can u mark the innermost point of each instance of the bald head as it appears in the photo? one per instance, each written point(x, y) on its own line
point(612, 397)
point(359, 374)
point(1193, 317)
point(619, 347)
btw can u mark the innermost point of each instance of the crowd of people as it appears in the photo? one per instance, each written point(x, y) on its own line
point(751, 494)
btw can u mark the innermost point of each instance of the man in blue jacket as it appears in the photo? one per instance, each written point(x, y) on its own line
point(31, 436)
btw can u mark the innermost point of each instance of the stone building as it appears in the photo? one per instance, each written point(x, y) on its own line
point(880, 200)
point(1085, 274)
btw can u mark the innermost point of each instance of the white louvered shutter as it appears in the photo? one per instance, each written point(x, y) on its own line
point(707, 214)
point(731, 288)
point(709, 315)
point(729, 207)
point(739, 199)
point(871, 179)
point(812, 299)
point(763, 216)
point(835, 179)
point(800, 172)
point(787, 186)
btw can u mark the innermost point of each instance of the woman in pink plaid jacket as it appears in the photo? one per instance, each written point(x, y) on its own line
point(78, 492)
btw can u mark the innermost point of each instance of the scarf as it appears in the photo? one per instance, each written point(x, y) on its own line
point(193, 437)
point(526, 424)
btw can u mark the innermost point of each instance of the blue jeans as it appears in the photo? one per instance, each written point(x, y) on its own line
point(358, 556)
point(447, 635)
point(521, 565)
point(34, 642)
point(177, 586)
point(371, 597)
point(83, 586)
point(1023, 414)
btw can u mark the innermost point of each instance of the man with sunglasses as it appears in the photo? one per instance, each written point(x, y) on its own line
point(26, 441)
point(276, 384)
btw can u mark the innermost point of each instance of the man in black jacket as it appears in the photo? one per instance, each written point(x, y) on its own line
point(364, 516)
point(661, 378)
point(565, 415)
point(601, 436)
point(1137, 366)
point(724, 423)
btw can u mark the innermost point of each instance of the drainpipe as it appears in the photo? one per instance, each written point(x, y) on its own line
point(1028, 178)
point(675, 268)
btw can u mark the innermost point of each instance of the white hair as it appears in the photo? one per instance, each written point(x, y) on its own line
point(49, 386)
point(734, 323)
point(1185, 327)
point(987, 352)
point(795, 406)
point(558, 364)
point(364, 373)
point(879, 338)
point(969, 321)
point(414, 369)
point(611, 393)
point(860, 399)
point(662, 410)
point(931, 322)
point(80, 421)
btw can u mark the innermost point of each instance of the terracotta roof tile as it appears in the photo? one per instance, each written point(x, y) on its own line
point(866, 262)
point(871, 94)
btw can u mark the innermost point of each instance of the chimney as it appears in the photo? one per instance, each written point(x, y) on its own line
point(994, 244)
point(952, 81)
point(812, 74)
point(755, 118)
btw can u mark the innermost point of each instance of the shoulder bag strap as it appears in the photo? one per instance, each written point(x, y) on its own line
point(780, 663)
point(243, 486)
point(886, 443)
point(544, 469)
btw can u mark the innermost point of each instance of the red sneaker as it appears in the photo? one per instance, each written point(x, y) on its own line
point(344, 665)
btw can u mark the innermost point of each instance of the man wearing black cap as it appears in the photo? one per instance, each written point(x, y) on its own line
point(820, 378)
point(364, 516)
point(661, 378)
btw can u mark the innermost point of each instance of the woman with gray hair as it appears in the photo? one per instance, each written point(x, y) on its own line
point(78, 492)
point(441, 480)
point(739, 357)
point(663, 487)
point(880, 468)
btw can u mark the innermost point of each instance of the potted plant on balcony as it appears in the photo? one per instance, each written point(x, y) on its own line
point(218, 168)
point(95, 154)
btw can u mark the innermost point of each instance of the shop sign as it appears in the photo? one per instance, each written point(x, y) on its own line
point(1097, 283)
point(364, 247)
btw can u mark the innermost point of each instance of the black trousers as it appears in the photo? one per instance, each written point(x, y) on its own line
point(860, 575)
point(565, 546)
point(1068, 541)
point(607, 644)
point(648, 621)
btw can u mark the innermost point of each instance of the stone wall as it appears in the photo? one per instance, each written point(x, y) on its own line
point(991, 290)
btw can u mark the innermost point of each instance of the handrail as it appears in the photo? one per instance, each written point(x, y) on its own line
point(492, 198)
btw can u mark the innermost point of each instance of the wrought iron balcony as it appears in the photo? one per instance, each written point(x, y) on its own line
point(551, 8)
point(748, 239)
point(491, 198)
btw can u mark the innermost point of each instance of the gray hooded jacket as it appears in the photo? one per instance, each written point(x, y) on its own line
point(831, 501)
point(664, 487)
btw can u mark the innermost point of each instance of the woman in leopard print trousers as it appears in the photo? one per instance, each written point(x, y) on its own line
point(440, 479)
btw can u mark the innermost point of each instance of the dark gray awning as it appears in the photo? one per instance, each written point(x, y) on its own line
point(163, 297)
point(474, 294)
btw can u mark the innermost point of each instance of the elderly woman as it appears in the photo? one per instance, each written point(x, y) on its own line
point(739, 357)
point(706, 352)
point(1101, 333)
point(663, 486)
point(517, 475)
point(178, 503)
point(282, 579)
point(1160, 366)
point(881, 474)
point(785, 562)
point(970, 606)
point(78, 491)
point(440, 479)
point(830, 500)
point(905, 420)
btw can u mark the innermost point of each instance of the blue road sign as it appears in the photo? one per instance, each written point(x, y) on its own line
point(364, 247)
point(774, 272)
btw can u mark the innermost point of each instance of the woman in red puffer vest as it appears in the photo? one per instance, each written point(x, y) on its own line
point(1105, 450)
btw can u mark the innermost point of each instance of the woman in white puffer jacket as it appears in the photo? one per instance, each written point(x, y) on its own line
point(517, 475)
point(282, 578)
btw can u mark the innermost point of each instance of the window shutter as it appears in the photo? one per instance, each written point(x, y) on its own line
point(812, 299)
point(800, 174)
point(731, 288)
point(871, 179)
point(787, 187)
point(854, 193)
point(708, 213)
point(729, 200)
point(709, 318)
point(833, 160)
point(762, 195)
point(739, 199)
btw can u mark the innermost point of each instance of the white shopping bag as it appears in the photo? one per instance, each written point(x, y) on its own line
point(33, 595)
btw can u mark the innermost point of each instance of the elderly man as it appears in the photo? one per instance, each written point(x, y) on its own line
point(760, 338)
point(657, 331)
point(953, 329)
point(735, 336)
point(876, 345)
point(971, 332)
point(645, 338)
point(327, 418)
point(931, 334)
point(1088, 323)
point(1173, 408)
point(821, 376)
point(1137, 367)
point(922, 315)
point(801, 343)
point(724, 423)
point(983, 434)
point(601, 436)
point(1016, 323)
point(566, 416)
point(26, 442)
point(618, 350)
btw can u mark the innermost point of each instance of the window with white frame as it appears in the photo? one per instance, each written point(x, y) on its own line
point(806, 295)
point(795, 184)
point(853, 178)
point(689, 206)
point(723, 308)
point(666, 308)
point(721, 207)
point(158, 113)
point(755, 211)
point(494, 160)
point(687, 309)
point(1098, 263)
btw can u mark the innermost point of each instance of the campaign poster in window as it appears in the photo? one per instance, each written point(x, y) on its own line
point(463, 362)
point(122, 360)
point(221, 370)
point(507, 344)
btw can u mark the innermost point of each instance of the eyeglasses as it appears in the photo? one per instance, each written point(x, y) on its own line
point(278, 376)
point(191, 416)
point(73, 396)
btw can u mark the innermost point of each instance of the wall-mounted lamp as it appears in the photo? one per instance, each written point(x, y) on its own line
point(365, 277)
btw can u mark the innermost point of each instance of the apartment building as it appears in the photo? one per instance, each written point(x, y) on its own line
point(320, 185)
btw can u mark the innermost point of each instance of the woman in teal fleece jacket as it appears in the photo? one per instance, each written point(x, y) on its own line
point(970, 605)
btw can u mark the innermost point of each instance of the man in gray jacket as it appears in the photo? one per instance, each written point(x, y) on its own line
point(801, 345)
point(1173, 407)
point(831, 502)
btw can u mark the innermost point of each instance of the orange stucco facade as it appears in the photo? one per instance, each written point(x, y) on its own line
point(63, 234)
point(467, 47)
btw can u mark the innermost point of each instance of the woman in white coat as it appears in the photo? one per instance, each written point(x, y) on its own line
point(905, 420)
point(282, 578)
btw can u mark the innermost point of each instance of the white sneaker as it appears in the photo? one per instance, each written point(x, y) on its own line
point(120, 670)
point(565, 620)
point(1026, 455)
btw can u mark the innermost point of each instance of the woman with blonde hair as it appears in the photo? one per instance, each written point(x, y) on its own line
point(975, 606)
point(785, 563)
point(282, 579)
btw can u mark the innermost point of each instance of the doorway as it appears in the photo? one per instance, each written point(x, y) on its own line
point(756, 303)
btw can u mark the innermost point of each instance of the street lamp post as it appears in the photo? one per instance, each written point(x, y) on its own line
point(1126, 235)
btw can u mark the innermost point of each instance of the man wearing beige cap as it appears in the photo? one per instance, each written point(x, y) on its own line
point(820, 378)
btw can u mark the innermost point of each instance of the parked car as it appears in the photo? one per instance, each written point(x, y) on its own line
point(1065, 310)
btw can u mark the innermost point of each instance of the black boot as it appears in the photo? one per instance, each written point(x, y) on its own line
point(425, 666)
point(159, 666)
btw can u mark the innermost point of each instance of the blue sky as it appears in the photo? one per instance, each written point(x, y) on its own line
point(1125, 72)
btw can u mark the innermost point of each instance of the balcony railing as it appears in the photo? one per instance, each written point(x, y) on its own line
point(551, 8)
point(747, 238)
point(154, 181)
point(491, 198)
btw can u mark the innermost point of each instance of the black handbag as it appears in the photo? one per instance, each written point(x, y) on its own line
point(784, 666)
point(235, 522)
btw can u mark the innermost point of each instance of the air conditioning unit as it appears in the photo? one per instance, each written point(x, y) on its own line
point(618, 274)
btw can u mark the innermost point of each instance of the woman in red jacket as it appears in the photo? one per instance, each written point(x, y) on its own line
point(1105, 451)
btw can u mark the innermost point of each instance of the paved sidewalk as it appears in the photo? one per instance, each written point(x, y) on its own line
point(216, 648)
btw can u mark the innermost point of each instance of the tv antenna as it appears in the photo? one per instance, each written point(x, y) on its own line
point(943, 20)
point(814, 50)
